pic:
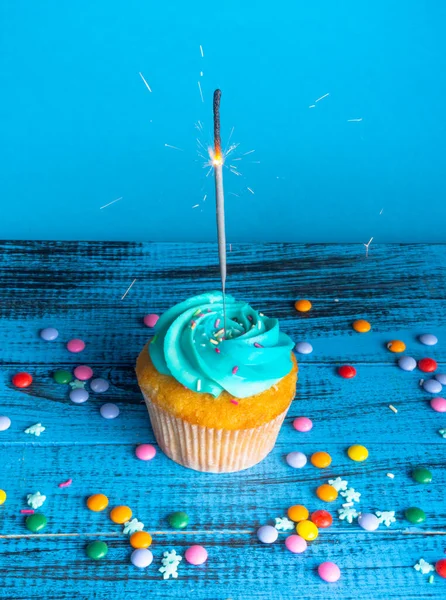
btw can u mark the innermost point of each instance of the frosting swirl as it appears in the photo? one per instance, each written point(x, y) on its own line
point(190, 344)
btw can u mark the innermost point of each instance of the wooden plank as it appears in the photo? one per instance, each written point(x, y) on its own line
point(234, 501)
point(344, 411)
point(238, 567)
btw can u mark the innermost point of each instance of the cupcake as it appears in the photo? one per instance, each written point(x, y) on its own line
point(217, 395)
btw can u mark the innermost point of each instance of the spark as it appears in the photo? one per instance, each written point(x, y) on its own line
point(201, 51)
point(312, 106)
point(255, 162)
point(235, 172)
point(381, 211)
point(195, 206)
point(246, 153)
point(145, 82)
point(198, 126)
point(230, 247)
point(128, 289)
point(233, 194)
point(201, 92)
point(105, 205)
point(174, 147)
point(201, 73)
point(234, 159)
point(204, 197)
point(367, 247)
point(322, 97)
point(250, 190)
point(354, 120)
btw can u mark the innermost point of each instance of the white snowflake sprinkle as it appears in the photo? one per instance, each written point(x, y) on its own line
point(170, 562)
point(351, 495)
point(424, 567)
point(77, 385)
point(132, 526)
point(35, 500)
point(283, 524)
point(338, 484)
point(36, 429)
point(347, 513)
point(386, 516)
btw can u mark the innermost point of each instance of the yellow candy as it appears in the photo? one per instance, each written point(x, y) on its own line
point(302, 305)
point(358, 453)
point(321, 460)
point(140, 539)
point(396, 346)
point(298, 513)
point(307, 530)
point(326, 492)
point(97, 502)
point(2, 496)
point(361, 326)
point(121, 514)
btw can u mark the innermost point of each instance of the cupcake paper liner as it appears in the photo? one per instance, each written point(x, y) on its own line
point(212, 450)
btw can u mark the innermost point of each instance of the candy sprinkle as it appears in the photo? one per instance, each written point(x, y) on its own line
point(215, 342)
point(234, 402)
point(27, 511)
point(66, 483)
point(391, 475)
point(217, 350)
point(199, 385)
point(217, 323)
point(257, 345)
point(393, 408)
point(234, 370)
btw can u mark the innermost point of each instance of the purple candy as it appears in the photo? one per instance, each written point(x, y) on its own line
point(297, 460)
point(304, 348)
point(5, 423)
point(441, 377)
point(267, 534)
point(49, 334)
point(141, 558)
point(109, 411)
point(428, 339)
point(407, 363)
point(433, 386)
point(368, 521)
point(78, 395)
point(99, 385)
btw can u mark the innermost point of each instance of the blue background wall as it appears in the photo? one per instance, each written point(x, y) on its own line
point(79, 128)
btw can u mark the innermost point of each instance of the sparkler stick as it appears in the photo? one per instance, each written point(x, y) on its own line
point(220, 199)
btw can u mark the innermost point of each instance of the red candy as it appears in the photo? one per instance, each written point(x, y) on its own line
point(322, 518)
point(347, 371)
point(427, 365)
point(440, 567)
point(22, 380)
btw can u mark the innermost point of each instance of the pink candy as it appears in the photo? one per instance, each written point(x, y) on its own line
point(295, 544)
point(438, 404)
point(302, 424)
point(329, 571)
point(83, 373)
point(145, 451)
point(196, 555)
point(75, 345)
point(150, 320)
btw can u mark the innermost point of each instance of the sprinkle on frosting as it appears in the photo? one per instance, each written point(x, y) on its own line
point(253, 342)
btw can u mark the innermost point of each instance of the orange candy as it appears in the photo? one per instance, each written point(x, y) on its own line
point(140, 539)
point(298, 513)
point(321, 460)
point(361, 326)
point(121, 514)
point(97, 502)
point(396, 346)
point(326, 492)
point(302, 305)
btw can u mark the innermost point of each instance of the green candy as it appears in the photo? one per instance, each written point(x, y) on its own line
point(97, 550)
point(178, 520)
point(422, 475)
point(62, 376)
point(36, 522)
point(415, 515)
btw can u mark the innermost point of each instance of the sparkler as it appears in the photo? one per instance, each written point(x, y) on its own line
point(220, 199)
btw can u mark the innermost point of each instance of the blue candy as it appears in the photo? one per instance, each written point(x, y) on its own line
point(441, 377)
point(99, 385)
point(267, 534)
point(432, 386)
point(407, 363)
point(109, 411)
point(428, 339)
point(49, 334)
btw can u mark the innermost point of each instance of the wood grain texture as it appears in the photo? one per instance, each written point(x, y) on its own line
point(77, 287)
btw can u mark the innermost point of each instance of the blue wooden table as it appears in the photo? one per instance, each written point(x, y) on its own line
point(77, 288)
